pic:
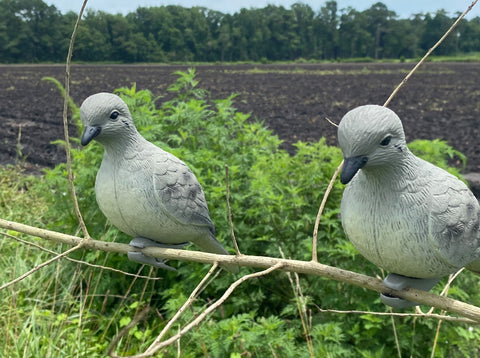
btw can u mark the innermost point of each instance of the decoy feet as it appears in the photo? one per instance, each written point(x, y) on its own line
point(399, 282)
point(141, 243)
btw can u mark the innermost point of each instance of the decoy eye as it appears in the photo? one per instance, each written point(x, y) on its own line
point(386, 140)
point(114, 115)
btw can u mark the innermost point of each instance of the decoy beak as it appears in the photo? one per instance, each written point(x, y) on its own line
point(351, 166)
point(89, 133)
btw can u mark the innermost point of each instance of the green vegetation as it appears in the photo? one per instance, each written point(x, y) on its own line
point(32, 31)
point(439, 152)
point(70, 309)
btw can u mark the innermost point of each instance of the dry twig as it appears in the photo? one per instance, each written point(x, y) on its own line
point(301, 302)
point(230, 220)
point(65, 123)
point(80, 261)
point(320, 211)
point(43, 264)
point(395, 314)
point(170, 323)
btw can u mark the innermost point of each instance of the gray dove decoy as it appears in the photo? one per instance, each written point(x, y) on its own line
point(402, 213)
point(143, 190)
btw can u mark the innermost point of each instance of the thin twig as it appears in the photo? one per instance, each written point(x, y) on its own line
point(182, 309)
point(205, 313)
point(179, 351)
point(200, 287)
point(331, 122)
point(444, 292)
point(429, 52)
point(395, 335)
point(123, 299)
point(320, 211)
point(65, 123)
point(230, 220)
point(137, 318)
point(80, 261)
point(435, 340)
point(406, 315)
point(451, 278)
point(43, 264)
point(301, 306)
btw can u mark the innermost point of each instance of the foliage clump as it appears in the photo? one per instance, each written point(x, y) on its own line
point(274, 198)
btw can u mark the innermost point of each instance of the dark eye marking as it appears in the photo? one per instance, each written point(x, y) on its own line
point(399, 147)
point(114, 115)
point(386, 140)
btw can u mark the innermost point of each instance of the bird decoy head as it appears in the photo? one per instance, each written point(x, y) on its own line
point(370, 136)
point(105, 115)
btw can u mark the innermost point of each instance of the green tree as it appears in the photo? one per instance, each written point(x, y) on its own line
point(92, 43)
point(434, 28)
point(224, 41)
point(405, 46)
point(469, 35)
point(379, 21)
point(304, 16)
point(326, 28)
point(355, 40)
point(282, 28)
point(29, 31)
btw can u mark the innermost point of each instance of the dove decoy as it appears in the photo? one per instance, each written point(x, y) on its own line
point(144, 191)
point(403, 213)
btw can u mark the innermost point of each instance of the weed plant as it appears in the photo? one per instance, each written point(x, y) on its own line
point(71, 309)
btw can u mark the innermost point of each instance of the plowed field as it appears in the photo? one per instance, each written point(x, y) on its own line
point(442, 100)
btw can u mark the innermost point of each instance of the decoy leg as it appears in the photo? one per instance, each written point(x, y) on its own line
point(141, 243)
point(399, 282)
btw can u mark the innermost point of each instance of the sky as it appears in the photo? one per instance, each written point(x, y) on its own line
point(403, 8)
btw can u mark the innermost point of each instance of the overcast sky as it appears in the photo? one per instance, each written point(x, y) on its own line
point(403, 8)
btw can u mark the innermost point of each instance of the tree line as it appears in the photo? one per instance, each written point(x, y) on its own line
point(32, 31)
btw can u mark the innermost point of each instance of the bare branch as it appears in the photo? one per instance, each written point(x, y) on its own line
point(65, 123)
point(303, 267)
point(320, 211)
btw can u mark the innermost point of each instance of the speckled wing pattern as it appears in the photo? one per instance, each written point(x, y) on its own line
point(455, 218)
point(179, 191)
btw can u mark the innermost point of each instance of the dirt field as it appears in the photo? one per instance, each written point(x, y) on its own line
point(439, 101)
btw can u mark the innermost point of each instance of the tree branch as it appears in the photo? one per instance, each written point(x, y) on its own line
point(304, 267)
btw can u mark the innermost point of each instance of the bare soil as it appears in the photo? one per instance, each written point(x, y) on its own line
point(440, 101)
